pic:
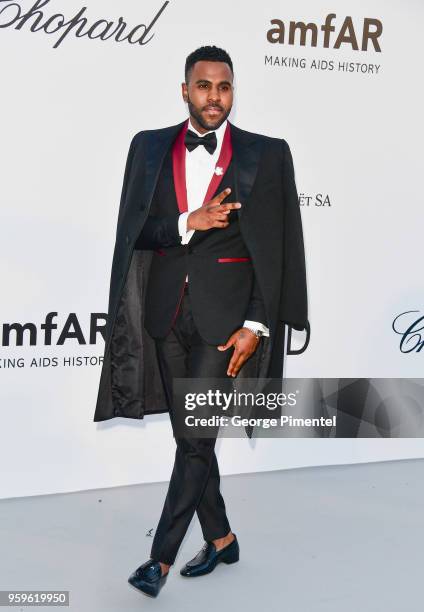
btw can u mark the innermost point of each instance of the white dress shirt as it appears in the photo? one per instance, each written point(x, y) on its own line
point(200, 167)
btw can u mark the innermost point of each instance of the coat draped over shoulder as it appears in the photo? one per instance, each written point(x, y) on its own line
point(270, 223)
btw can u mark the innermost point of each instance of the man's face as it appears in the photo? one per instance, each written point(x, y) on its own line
point(209, 94)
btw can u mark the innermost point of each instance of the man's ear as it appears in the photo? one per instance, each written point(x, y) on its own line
point(184, 91)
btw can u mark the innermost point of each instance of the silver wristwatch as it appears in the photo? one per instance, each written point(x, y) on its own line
point(258, 332)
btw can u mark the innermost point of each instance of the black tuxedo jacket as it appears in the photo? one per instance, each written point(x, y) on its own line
point(269, 223)
point(224, 291)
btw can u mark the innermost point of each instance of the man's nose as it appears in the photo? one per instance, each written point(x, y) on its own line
point(214, 94)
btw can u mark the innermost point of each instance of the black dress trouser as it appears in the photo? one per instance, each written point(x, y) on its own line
point(195, 480)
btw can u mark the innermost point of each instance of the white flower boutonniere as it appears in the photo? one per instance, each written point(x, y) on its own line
point(219, 171)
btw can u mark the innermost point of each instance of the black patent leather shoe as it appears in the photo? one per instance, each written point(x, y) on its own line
point(208, 557)
point(148, 578)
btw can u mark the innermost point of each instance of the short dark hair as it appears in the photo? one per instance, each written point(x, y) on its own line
point(209, 53)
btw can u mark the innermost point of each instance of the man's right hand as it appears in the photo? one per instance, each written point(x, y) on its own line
point(212, 214)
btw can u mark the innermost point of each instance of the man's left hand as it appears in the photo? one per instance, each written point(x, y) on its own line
point(245, 343)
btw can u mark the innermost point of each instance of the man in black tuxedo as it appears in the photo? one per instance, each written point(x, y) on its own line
point(208, 267)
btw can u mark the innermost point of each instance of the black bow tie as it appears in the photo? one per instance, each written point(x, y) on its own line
point(192, 140)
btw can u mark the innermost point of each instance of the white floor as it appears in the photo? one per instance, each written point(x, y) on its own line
point(333, 539)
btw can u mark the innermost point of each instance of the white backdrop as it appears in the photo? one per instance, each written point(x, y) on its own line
point(68, 114)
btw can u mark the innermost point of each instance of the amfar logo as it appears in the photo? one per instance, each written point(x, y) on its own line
point(70, 329)
point(299, 32)
point(11, 15)
point(408, 326)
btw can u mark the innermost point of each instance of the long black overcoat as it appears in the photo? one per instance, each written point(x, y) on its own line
point(270, 223)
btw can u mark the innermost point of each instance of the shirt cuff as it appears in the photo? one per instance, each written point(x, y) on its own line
point(182, 228)
point(255, 325)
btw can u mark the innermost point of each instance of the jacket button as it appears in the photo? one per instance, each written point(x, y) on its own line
point(127, 239)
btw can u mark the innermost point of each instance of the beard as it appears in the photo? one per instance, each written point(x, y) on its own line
point(207, 125)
